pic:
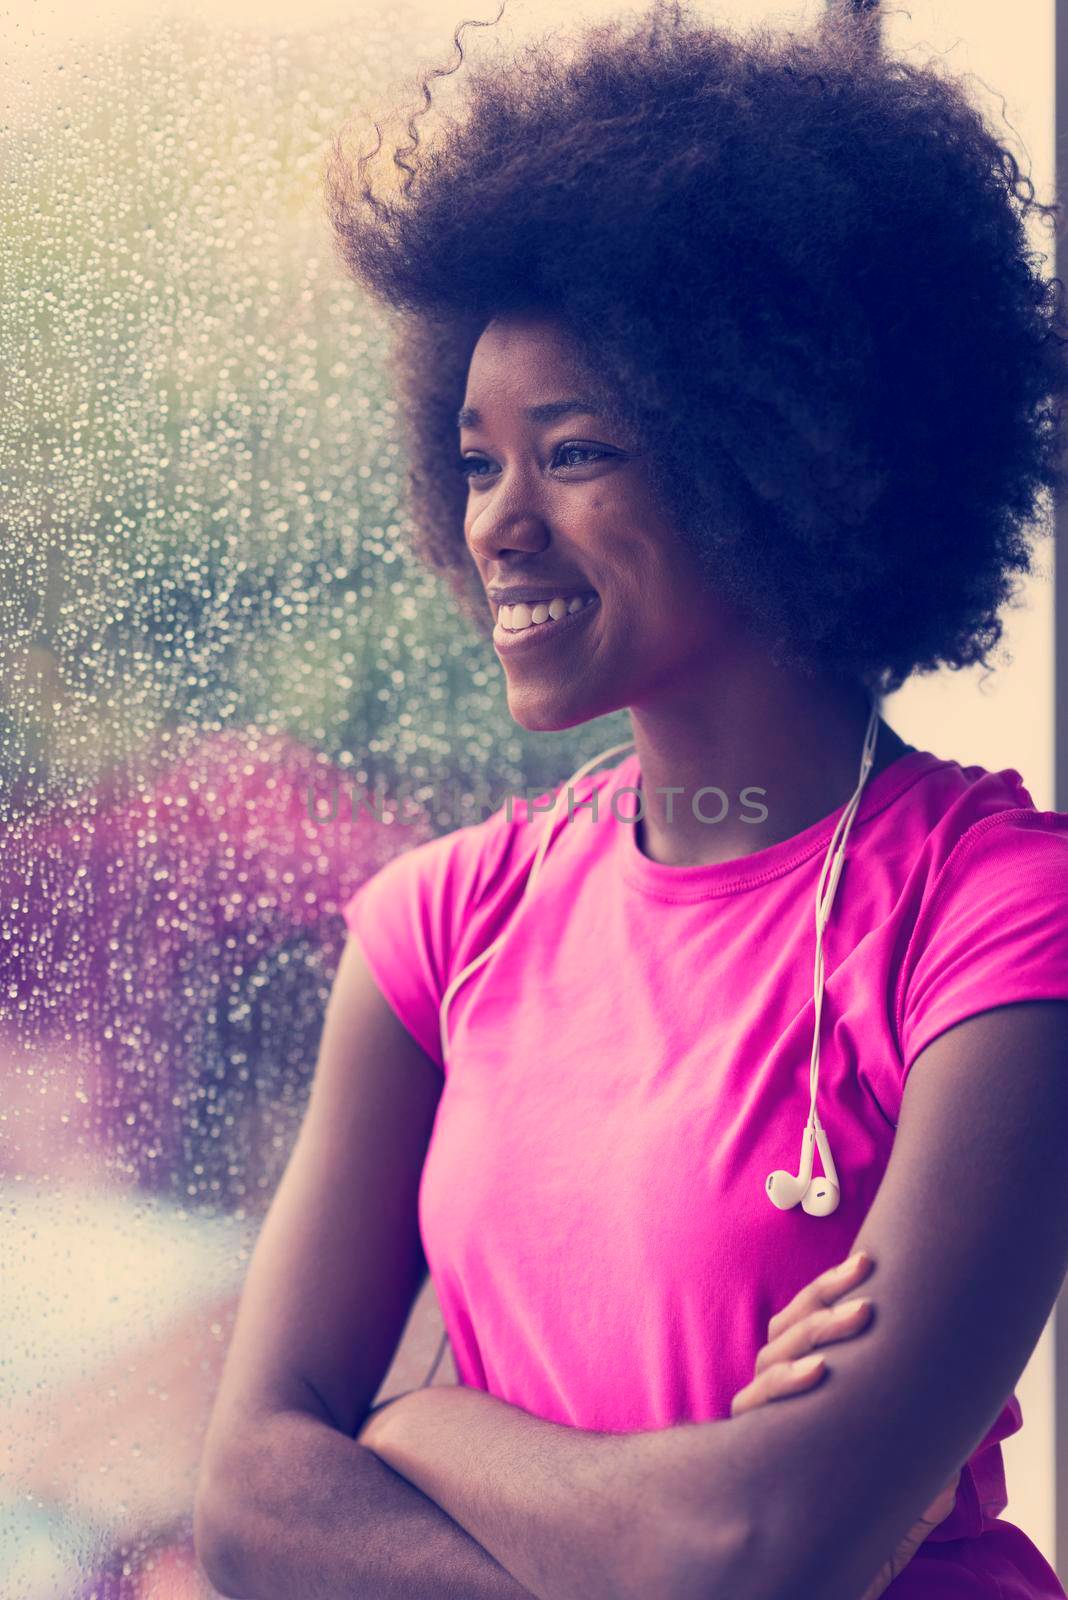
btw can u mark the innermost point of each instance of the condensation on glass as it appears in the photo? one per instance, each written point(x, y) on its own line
point(227, 695)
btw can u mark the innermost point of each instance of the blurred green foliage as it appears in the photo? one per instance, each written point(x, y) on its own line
point(199, 456)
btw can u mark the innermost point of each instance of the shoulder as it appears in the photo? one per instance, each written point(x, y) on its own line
point(989, 913)
point(486, 864)
point(932, 802)
point(942, 822)
point(470, 878)
point(986, 840)
point(442, 878)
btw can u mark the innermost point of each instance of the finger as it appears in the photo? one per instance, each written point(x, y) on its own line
point(826, 1326)
point(777, 1383)
point(822, 1291)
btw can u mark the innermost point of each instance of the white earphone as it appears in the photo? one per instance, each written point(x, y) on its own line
point(819, 1195)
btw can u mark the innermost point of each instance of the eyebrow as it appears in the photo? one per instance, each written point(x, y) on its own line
point(549, 411)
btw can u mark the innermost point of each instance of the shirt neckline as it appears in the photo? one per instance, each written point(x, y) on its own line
point(690, 883)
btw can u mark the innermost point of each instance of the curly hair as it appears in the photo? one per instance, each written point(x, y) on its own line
point(797, 270)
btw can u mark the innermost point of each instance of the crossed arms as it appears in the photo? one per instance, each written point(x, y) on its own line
point(969, 1235)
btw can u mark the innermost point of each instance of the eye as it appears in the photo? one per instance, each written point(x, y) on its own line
point(466, 464)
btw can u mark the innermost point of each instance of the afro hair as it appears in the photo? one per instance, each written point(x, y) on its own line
point(799, 271)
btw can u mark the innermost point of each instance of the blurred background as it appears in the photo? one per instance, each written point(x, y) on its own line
point(228, 695)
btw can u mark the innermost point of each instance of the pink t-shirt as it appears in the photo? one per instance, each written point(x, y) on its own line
point(631, 1063)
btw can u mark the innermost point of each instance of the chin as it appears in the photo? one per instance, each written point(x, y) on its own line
point(551, 713)
point(543, 719)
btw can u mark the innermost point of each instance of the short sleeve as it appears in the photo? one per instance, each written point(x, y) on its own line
point(408, 919)
point(993, 931)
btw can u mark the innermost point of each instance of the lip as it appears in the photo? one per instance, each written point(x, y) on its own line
point(530, 594)
point(544, 633)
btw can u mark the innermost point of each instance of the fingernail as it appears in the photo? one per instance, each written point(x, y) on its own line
point(855, 1262)
point(806, 1365)
point(849, 1308)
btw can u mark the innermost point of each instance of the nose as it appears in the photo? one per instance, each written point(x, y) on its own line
point(510, 522)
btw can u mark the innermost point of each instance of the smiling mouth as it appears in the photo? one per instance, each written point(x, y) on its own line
point(545, 630)
point(523, 617)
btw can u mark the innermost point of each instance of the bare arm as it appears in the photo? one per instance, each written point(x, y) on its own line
point(325, 1519)
point(807, 1498)
point(569, 1512)
point(971, 1214)
point(287, 1503)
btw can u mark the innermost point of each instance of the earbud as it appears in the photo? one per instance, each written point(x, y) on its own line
point(784, 1189)
point(820, 1196)
point(823, 1194)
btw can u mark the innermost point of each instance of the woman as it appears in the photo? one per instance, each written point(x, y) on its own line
point(755, 389)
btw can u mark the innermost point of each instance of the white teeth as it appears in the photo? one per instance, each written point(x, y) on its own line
point(518, 617)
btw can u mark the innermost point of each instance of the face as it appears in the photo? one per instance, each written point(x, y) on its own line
point(561, 507)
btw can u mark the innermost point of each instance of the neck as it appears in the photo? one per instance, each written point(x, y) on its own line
point(794, 743)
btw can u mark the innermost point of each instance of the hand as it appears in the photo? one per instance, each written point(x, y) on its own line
point(794, 1333)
